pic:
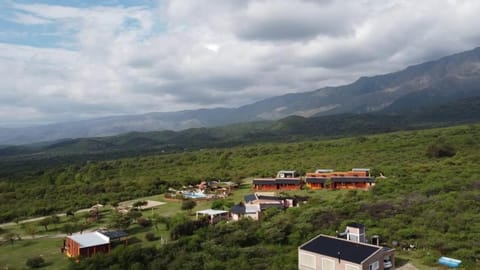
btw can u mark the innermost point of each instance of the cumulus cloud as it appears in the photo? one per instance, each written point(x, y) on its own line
point(109, 60)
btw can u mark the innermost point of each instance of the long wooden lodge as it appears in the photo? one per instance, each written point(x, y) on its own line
point(358, 178)
point(285, 180)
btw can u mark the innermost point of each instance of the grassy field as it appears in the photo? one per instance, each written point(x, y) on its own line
point(47, 244)
point(428, 200)
point(14, 256)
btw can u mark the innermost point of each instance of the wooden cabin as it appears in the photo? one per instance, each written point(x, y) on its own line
point(352, 182)
point(86, 245)
point(316, 182)
point(91, 243)
point(289, 183)
point(264, 184)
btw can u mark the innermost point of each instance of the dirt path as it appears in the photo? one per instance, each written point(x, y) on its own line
point(8, 224)
point(407, 266)
point(58, 235)
point(150, 204)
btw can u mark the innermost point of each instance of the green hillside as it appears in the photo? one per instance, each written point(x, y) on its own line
point(430, 197)
point(289, 129)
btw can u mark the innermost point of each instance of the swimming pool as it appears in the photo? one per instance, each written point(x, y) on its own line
point(193, 195)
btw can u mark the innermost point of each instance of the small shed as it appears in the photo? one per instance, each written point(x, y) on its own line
point(86, 244)
point(89, 244)
point(213, 215)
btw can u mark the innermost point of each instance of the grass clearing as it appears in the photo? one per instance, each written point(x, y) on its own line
point(14, 256)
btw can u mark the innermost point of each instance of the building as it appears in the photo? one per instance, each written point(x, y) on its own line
point(89, 244)
point(357, 178)
point(245, 211)
point(213, 215)
point(264, 184)
point(333, 253)
point(285, 180)
point(257, 202)
point(86, 245)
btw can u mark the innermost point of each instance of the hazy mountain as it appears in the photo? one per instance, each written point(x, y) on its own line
point(433, 83)
point(287, 129)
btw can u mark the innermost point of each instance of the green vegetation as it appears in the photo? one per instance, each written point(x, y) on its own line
point(35, 262)
point(293, 128)
point(188, 204)
point(431, 202)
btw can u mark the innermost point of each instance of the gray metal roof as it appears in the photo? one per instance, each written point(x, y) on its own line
point(90, 239)
point(212, 212)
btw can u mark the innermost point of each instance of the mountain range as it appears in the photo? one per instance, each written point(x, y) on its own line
point(429, 84)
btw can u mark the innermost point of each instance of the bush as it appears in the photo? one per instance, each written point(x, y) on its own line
point(218, 204)
point(35, 262)
point(144, 222)
point(440, 149)
point(150, 236)
point(188, 204)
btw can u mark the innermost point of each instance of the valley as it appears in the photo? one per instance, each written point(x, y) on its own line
point(426, 200)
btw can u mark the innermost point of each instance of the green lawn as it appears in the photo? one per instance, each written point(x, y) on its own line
point(14, 256)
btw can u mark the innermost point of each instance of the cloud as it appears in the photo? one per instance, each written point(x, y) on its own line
point(98, 60)
point(23, 18)
point(296, 20)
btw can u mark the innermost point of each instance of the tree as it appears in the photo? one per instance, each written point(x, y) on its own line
point(45, 222)
point(115, 204)
point(31, 229)
point(440, 148)
point(144, 222)
point(150, 236)
point(188, 204)
point(138, 204)
point(218, 204)
point(10, 237)
point(35, 262)
point(55, 219)
point(69, 228)
point(119, 221)
point(134, 214)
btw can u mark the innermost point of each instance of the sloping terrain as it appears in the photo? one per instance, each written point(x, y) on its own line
point(433, 83)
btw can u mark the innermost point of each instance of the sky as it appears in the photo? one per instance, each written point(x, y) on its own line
point(71, 60)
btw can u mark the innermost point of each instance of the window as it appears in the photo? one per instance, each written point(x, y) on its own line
point(306, 261)
point(328, 264)
point(351, 267)
point(373, 266)
point(354, 237)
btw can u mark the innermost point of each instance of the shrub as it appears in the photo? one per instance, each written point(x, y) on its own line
point(218, 204)
point(188, 204)
point(144, 222)
point(35, 262)
point(440, 149)
point(150, 236)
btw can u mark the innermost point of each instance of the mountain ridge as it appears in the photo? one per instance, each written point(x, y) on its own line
point(287, 129)
point(434, 82)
